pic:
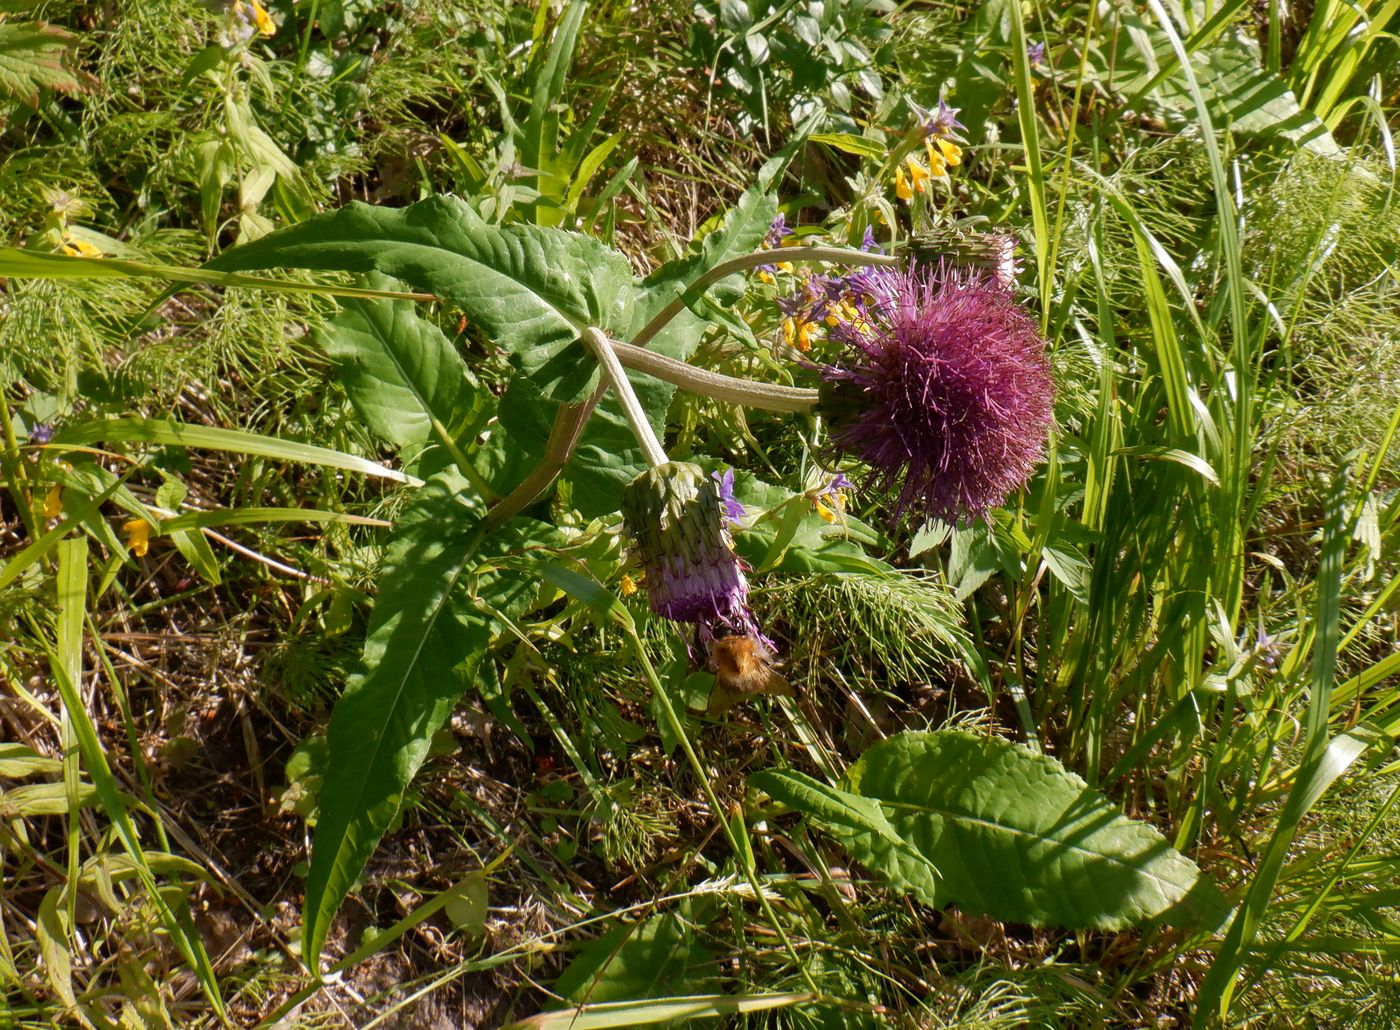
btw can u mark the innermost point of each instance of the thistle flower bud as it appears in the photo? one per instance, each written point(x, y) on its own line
point(678, 520)
point(992, 252)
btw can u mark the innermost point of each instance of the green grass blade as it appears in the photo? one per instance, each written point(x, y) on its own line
point(1315, 771)
point(35, 264)
point(660, 1010)
point(67, 660)
point(261, 517)
point(235, 441)
point(1035, 172)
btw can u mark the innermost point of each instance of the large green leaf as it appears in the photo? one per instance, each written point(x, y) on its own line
point(530, 289)
point(402, 374)
point(439, 604)
point(607, 457)
point(860, 824)
point(1015, 836)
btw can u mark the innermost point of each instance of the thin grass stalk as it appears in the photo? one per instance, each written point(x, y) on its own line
point(1035, 173)
point(1217, 990)
point(738, 841)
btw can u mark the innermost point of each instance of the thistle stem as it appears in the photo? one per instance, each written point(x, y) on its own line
point(743, 849)
point(568, 425)
point(834, 255)
point(622, 386)
point(767, 396)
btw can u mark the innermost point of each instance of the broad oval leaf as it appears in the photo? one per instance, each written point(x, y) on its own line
point(531, 289)
point(860, 824)
point(1016, 836)
point(403, 376)
point(438, 607)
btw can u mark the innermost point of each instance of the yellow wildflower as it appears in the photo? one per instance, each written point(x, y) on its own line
point(138, 536)
point(846, 312)
point(830, 501)
point(901, 186)
point(837, 507)
point(935, 160)
point(628, 585)
point(785, 266)
point(257, 16)
point(797, 334)
point(80, 248)
point(53, 503)
point(918, 174)
point(764, 277)
point(952, 153)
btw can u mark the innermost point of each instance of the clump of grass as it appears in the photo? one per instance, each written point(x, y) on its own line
point(888, 629)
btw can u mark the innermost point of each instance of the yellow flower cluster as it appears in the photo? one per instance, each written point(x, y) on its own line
point(942, 154)
point(798, 334)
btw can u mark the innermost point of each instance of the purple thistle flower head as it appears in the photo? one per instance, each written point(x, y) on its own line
point(678, 521)
point(1035, 53)
point(945, 395)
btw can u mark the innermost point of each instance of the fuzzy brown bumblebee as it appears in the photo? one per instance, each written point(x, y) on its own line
point(743, 667)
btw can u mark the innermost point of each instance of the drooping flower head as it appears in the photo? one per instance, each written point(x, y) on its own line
point(944, 393)
point(679, 520)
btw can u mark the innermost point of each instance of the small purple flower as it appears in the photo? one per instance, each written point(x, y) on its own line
point(678, 521)
point(868, 243)
point(777, 232)
point(1035, 53)
point(838, 482)
point(943, 122)
point(733, 510)
point(945, 394)
point(41, 434)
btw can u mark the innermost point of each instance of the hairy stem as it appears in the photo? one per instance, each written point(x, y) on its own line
point(768, 396)
point(569, 422)
point(563, 437)
point(616, 377)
